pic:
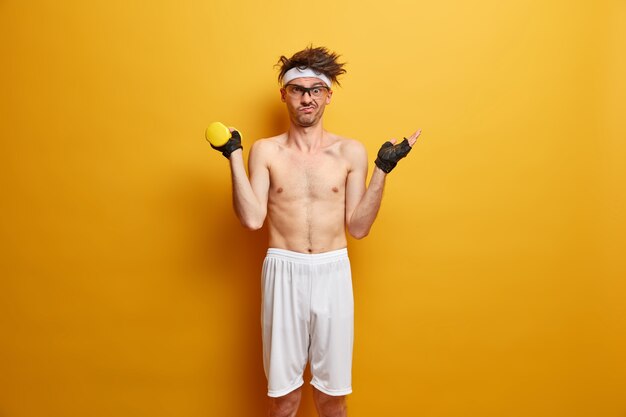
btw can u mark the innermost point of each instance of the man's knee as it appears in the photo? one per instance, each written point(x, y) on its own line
point(287, 405)
point(330, 406)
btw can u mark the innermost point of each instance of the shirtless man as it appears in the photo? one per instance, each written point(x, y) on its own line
point(310, 184)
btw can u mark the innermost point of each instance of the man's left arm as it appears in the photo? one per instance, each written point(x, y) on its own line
point(363, 204)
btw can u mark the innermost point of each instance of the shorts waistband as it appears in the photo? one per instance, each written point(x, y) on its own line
point(310, 258)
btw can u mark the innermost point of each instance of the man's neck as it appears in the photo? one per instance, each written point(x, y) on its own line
point(306, 139)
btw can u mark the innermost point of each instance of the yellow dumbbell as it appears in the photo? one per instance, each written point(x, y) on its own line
point(217, 134)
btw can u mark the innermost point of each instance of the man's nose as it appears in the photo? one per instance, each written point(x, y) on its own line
point(306, 97)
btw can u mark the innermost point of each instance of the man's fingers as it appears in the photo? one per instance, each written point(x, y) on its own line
point(413, 138)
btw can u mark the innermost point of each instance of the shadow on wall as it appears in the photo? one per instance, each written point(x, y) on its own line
point(228, 260)
point(276, 119)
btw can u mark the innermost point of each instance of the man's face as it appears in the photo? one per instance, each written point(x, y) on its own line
point(305, 109)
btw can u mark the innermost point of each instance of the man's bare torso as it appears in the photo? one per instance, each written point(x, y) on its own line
point(307, 194)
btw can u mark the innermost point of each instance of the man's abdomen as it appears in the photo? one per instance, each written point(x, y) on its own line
point(310, 228)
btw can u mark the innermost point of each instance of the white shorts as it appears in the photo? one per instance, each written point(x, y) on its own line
point(307, 315)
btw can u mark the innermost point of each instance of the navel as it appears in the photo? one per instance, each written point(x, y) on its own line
point(310, 250)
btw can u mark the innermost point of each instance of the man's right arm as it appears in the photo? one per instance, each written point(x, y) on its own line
point(250, 194)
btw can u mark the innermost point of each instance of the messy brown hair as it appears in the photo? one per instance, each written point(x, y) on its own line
point(319, 59)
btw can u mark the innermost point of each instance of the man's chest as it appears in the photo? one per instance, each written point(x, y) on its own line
point(312, 176)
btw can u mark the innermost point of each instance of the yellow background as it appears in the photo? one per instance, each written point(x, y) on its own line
point(492, 284)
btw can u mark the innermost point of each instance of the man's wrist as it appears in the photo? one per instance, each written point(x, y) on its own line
point(378, 171)
point(385, 166)
point(236, 154)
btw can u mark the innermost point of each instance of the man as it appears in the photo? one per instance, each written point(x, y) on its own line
point(310, 184)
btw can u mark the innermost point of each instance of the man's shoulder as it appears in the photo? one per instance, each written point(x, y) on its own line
point(271, 144)
point(347, 144)
point(351, 149)
point(270, 140)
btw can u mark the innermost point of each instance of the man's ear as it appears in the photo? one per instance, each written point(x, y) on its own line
point(329, 96)
point(282, 94)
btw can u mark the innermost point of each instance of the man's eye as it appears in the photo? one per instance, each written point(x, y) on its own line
point(317, 90)
point(298, 90)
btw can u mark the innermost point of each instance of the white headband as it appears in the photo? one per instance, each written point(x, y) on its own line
point(296, 72)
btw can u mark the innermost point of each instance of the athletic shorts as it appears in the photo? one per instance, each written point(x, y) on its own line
point(307, 315)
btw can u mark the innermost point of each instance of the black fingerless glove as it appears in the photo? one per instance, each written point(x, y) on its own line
point(389, 154)
point(231, 146)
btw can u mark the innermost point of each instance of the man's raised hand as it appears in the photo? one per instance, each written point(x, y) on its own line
point(390, 152)
point(231, 145)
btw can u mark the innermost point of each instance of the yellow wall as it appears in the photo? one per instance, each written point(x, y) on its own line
point(129, 289)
